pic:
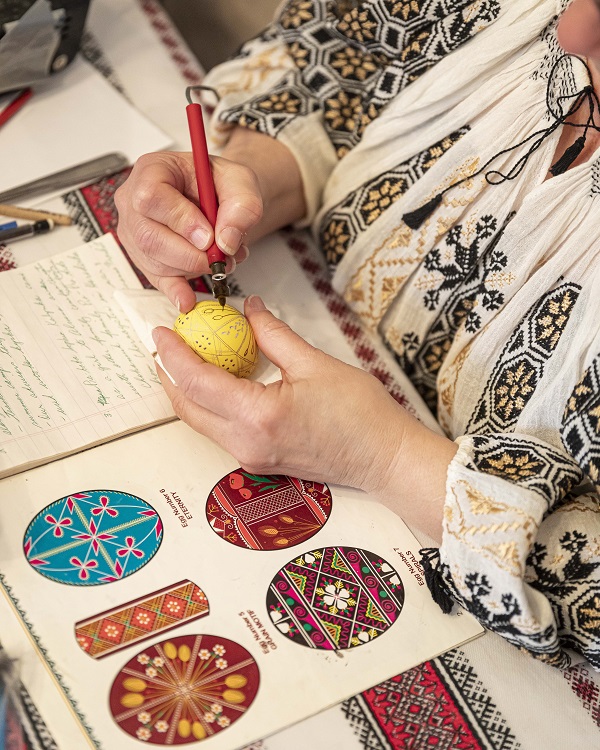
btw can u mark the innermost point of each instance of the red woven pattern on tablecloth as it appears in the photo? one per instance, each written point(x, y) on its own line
point(163, 26)
point(584, 687)
point(414, 710)
point(346, 320)
point(7, 260)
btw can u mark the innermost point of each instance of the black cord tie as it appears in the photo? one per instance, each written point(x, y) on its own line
point(414, 219)
point(430, 560)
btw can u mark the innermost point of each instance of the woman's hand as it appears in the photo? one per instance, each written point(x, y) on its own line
point(259, 189)
point(324, 420)
point(165, 232)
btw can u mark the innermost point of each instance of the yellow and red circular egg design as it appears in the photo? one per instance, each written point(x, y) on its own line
point(221, 336)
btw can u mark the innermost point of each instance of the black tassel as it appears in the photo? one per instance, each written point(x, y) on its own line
point(415, 218)
point(568, 157)
point(434, 580)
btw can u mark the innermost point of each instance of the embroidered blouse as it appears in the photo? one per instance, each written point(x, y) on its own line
point(491, 306)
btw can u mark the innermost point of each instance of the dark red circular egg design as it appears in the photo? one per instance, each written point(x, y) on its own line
point(267, 512)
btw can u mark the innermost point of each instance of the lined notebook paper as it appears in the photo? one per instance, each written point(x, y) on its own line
point(73, 372)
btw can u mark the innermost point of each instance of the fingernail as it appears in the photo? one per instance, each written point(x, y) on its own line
point(242, 253)
point(255, 303)
point(230, 240)
point(155, 335)
point(199, 238)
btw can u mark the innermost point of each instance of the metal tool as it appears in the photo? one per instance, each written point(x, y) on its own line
point(87, 172)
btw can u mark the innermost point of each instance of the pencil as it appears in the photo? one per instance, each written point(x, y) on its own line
point(16, 212)
point(15, 106)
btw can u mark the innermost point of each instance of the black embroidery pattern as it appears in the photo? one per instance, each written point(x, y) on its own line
point(521, 365)
point(345, 222)
point(570, 578)
point(351, 67)
point(502, 613)
point(580, 431)
point(530, 465)
point(461, 679)
point(468, 272)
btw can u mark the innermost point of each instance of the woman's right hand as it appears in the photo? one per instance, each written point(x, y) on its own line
point(164, 231)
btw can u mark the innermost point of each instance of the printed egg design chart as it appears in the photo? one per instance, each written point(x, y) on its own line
point(335, 598)
point(184, 689)
point(93, 537)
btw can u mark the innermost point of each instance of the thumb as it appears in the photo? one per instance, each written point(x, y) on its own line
point(275, 339)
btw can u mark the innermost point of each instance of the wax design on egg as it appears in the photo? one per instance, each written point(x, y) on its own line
point(221, 336)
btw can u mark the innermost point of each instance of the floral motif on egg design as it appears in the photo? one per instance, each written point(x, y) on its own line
point(267, 512)
point(184, 689)
point(335, 598)
point(93, 537)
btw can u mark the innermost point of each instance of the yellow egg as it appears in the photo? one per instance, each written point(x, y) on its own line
point(220, 335)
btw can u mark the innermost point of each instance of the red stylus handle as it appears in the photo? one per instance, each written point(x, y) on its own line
point(206, 187)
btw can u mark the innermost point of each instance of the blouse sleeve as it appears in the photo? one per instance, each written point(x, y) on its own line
point(324, 70)
point(521, 538)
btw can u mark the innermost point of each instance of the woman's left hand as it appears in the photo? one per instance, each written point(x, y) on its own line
point(324, 420)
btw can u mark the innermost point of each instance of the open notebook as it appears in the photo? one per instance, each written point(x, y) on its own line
point(73, 372)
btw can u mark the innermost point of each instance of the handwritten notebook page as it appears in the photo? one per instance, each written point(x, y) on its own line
point(73, 372)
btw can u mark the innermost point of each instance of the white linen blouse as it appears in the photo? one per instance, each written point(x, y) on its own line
point(491, 304)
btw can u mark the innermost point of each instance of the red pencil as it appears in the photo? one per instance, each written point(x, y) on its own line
point(15, 105)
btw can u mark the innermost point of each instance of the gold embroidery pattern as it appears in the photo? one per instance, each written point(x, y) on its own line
point(531, 465)
point(385, 269)
point(353, 64)
point(490, 527)
point(580, 431)
point(447, 388)
point(521, 365)
point(363, 206)
point(297, 13)
point(351, 67)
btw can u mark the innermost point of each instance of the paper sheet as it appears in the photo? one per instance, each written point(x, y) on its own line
point(72, 370)
point(70, 119)
point(378, 611)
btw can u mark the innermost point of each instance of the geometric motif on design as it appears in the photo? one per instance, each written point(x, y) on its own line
point(299, 581)
point(350, 68)
point(580, 431)
point(415, 709)
point(521, 365)
point(343, 223)
point(93, 537)
point(585, 688)
point(373, 613)
point(143, 618)
point(355, 597)
point(185, 689)
point(537, 467)
point(463, 687)
point(267, 512)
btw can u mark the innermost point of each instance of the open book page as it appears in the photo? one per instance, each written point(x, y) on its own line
point(73, 372)
point(176, 597)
